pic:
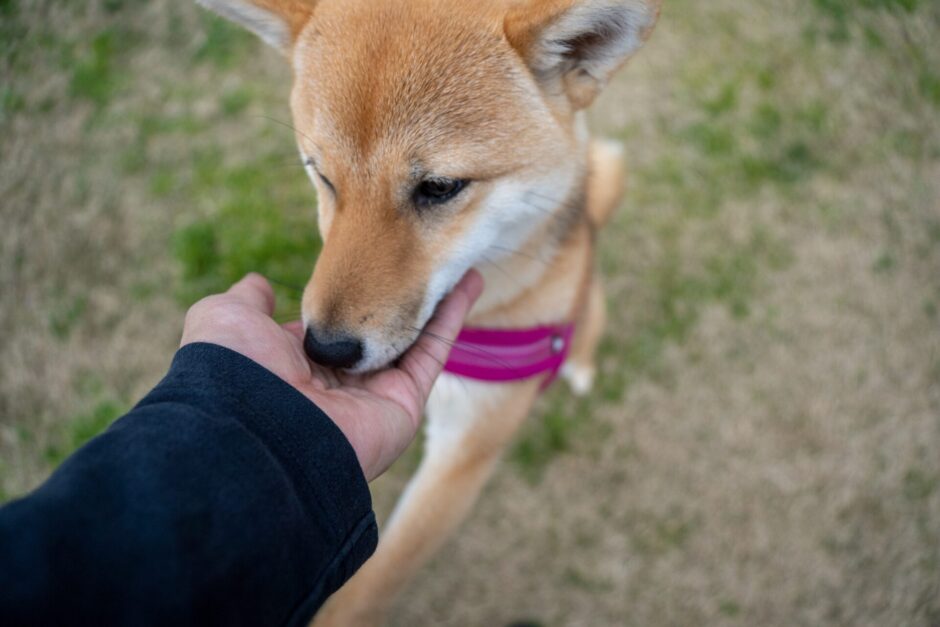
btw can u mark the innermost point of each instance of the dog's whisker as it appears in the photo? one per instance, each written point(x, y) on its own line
point(428, 353)
point(418, 346)
point(551, 203)
point(548, 211)
point(283, 165)
point(288, 286)
point(463, 383)
point(515, 251)
point(502, 271)
point(479, 351)
point(430, 356)
point(551, 199)
point(279, 157)
point(286, 125)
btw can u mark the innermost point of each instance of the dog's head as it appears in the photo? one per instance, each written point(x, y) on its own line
point(439, 133)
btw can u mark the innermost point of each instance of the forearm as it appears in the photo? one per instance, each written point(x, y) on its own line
point(224, 496)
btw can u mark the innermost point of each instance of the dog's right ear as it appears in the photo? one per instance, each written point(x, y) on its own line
point(277, 22)
point(578, 44)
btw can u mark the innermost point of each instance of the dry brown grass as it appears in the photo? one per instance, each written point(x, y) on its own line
point(762, 448)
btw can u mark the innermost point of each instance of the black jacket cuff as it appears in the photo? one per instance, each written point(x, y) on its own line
point(307, 444)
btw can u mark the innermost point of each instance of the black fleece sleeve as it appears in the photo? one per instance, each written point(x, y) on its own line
point(223, 497)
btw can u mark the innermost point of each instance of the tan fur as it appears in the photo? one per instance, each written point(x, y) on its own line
point(295, 12)
point(607, 179)
point(386, 93)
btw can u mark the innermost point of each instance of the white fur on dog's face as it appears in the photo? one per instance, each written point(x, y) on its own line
point(387, 94)
point(512, 212)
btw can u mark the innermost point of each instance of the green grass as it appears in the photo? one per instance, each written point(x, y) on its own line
point(225, 43)
point(884, 263)
point(94, 76)
point(102, 407)
point(251, 229)
point(729, 607)
point(656, 533)
point(77, 430)
point(64, 317)
point(259, 210)
point(11, 102)
point(918, 485)
point(548, 434)
point(839, 17)
point(728, 279)
point(235, 101)
point(730, 150)
point(254, 212)
point(590, 583)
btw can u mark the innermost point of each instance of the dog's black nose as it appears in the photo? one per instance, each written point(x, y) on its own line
point(334, 351)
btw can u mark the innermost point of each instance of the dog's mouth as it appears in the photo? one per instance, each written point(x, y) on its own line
point(368, 337)
point(366, 353)
point(384, 352)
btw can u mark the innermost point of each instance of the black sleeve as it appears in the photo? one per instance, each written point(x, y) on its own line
point(224, 497)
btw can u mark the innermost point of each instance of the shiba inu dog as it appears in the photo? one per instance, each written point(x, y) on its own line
point(443, 135)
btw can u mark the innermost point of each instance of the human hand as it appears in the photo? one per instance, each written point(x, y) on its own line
point(378, 412)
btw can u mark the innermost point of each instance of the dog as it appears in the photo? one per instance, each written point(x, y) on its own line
point(444, 135)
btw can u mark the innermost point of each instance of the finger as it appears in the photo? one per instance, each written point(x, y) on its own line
point(425, 360)
point(329, 377)
point(295, 328)
point(254, 291)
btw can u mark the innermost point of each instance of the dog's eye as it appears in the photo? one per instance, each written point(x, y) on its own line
point(326, 182)
point(309, 162)
point(437, 191)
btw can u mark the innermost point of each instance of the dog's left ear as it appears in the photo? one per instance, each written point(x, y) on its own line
point(579, 44)
point(277, 22)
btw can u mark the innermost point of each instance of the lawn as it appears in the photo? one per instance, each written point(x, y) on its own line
point(761, 445)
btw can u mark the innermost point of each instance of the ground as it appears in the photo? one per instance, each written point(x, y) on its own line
point(761, 445)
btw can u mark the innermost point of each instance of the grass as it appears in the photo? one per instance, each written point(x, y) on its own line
point(242, 234)
point(94, 76)
point(550, 434)
point(167, 154)
point(63, 318)
point(760, 444)
point(224, 44)
point(78, 430)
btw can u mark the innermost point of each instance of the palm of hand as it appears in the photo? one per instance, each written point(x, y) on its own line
point(378, 412)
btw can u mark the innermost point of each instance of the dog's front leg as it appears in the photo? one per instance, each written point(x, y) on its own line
point(469, 424)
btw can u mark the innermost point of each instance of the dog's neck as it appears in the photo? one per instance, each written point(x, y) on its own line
point(538, 282)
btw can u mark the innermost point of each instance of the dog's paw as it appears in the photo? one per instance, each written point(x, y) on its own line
point(579, 377)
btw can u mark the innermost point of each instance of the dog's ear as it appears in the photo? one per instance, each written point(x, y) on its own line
point(277, 22)
point(578, 44)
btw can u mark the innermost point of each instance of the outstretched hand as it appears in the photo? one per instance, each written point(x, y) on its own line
point(378, 412)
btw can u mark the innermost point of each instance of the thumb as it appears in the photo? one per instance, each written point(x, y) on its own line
point(255, 291)
point(425, 360)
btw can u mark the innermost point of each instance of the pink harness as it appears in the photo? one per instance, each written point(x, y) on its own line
point(510, 354)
